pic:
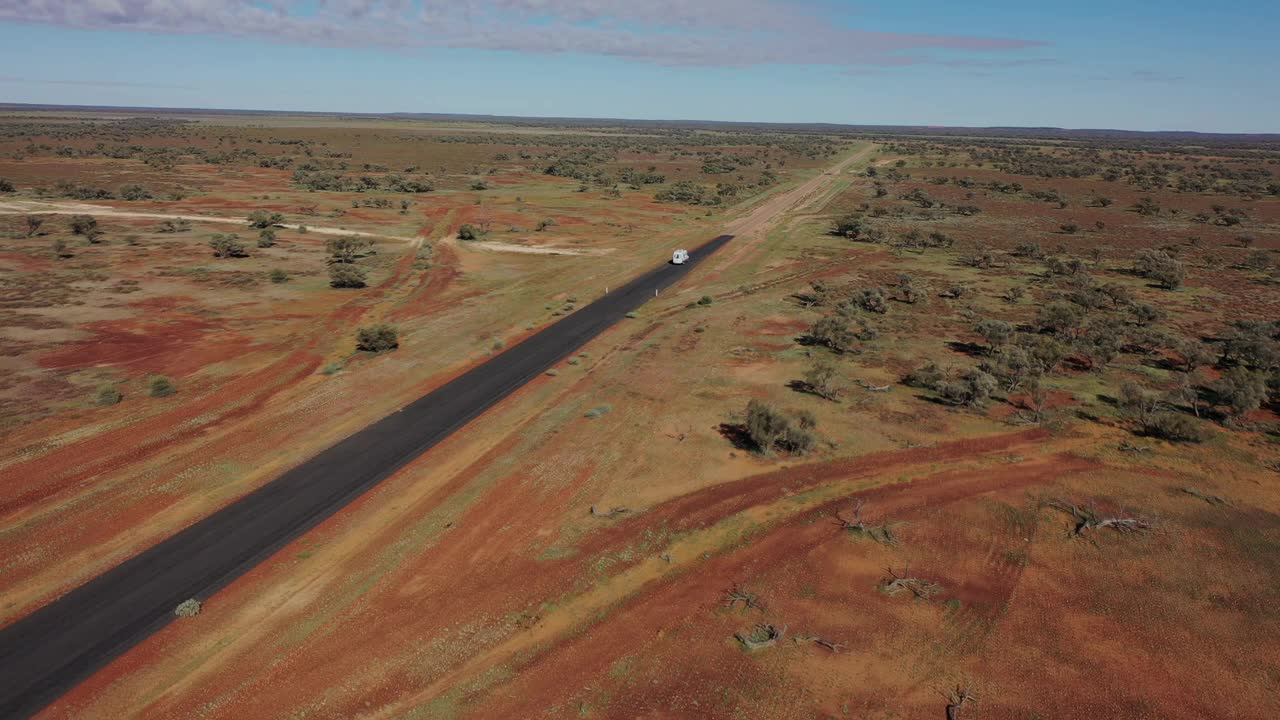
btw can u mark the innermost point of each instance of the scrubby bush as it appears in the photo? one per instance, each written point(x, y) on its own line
point(61, 249)
point(134, 192)
point(278, 276)
point(346, 276)
point(768, 428)
point(227, 246)
point(468, 232)
point(83, 224)
point(6, 186)
point(1160, 267)
point(187, 608)
point(109, 395)
point(161, 386)
point(377, 338)
point(972, 389)
point(832, 332)
point(1176, 427)
point(266, 238)
point(872, 300)
point(926, 377)
point(262, 219)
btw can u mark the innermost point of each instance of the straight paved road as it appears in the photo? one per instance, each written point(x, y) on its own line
point(48, 652)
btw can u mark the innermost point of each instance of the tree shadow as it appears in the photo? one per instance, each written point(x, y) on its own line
point(968, 348)
point(737, 435)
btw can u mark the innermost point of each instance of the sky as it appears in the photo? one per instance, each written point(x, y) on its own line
point(1125, 64)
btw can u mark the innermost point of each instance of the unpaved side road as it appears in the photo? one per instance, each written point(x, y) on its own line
point(40, 207)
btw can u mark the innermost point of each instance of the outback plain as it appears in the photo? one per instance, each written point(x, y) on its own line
point(960, 424)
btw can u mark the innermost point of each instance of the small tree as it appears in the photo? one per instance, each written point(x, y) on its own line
point(346, 276)
point(1146, 206)
point(468, 232)
point(377, 338)
point(346, 249)
point(266, 238)
point(1241, 391)
point(997, 333)
point(262, 219)
point(1161, 267)
point(822, 378)
point(227, 246)
point(973, 389)
point(33, 223)
point(83, 224)
point(765, 425)
point(161, 386)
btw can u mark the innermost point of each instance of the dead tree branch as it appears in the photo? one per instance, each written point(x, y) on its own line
point(1211, 499)
point(957, 699)
point(856, 525)
point(832, 646)
point(874, 388)
point(615, 512)
point(748, 599)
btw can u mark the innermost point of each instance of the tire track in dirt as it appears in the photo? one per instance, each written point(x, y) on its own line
point(554, 649)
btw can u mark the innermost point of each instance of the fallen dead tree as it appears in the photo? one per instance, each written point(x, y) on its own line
point(882, 533)
point(1087, 519)
point(874, 388)
point(764, 636)
point(615, 512)
point(897, 584)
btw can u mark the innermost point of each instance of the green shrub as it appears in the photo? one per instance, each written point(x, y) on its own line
point(377, 338)
point(6, 186)
point(161, 386)
point(768, 428)
point(109, 395)
point(468, 232)
point(188, 608)
point(598, 411)
point(278, 276)
point(346, 276)
point(263, 219)
point(134, 192)
point(266, 238)
point(1176, 427)
point(83, 224)
point(227, 246)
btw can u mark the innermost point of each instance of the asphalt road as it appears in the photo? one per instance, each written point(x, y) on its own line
point(46, 653)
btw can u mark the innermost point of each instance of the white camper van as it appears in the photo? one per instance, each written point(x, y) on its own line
point(679, 257)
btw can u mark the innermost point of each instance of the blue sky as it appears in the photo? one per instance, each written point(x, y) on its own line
point(1134, 65)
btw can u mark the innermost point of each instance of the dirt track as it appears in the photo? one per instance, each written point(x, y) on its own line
point(36, 207)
